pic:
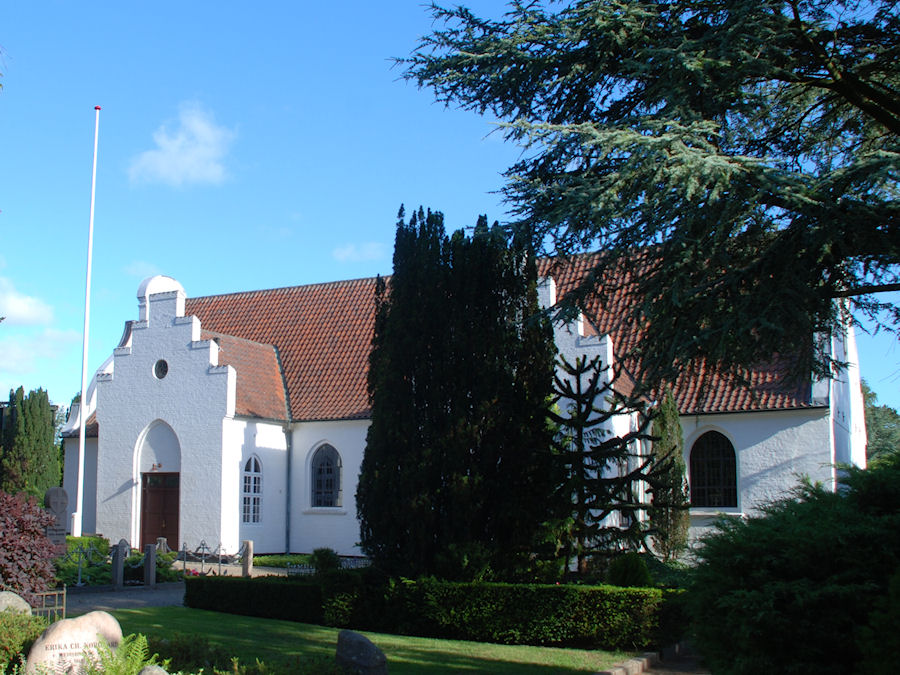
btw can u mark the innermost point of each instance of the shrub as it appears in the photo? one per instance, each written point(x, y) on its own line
point(325, 560)
point(879, 641)
point(629, 570)
point(17, 633)
point(292, 599)
point(785, 591)
point(93, 552)
point(26, 554)
point(588, 616)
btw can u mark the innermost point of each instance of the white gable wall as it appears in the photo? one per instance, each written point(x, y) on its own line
point(193, 399)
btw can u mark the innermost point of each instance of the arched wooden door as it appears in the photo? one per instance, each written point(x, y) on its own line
point(160, 493)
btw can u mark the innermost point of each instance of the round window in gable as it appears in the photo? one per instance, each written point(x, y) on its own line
point(161, 369)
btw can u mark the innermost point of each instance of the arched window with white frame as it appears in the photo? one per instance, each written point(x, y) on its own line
point(325, 471)
point(252, 491)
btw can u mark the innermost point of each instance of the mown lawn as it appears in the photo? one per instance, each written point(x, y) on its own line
point(250, 638)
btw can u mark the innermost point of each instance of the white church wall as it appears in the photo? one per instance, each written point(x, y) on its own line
point(265, 441)
point(192, 398)
point(773, 450)
point(70, 481)
point(332, 527)
point(846, 399)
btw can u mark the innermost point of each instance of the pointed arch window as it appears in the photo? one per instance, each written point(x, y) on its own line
point(713, 472)
point(252, 491)
point(326, 477)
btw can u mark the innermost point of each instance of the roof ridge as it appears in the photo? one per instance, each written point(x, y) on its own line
point(216, 333)
point(318, 284)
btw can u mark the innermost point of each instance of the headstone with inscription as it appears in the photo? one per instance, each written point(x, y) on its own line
point(65, 645)
point(56, 500)
point(11, 602)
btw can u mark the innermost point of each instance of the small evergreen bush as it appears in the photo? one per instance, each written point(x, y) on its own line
point(17, 633)
point(325, 560)
point(787, 591)
point(629, 570)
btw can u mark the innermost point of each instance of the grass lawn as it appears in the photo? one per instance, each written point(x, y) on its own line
point(250, 638)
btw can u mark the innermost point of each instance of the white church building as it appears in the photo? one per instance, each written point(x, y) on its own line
point(244, 416)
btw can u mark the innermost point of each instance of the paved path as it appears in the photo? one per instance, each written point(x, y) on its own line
point(81, 601)
point(680, 665)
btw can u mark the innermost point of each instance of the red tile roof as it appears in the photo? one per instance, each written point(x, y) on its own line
point(260, 386)
point(322, 333)
point(702, 391)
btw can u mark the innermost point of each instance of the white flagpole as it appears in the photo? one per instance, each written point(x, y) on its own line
point(82, 408)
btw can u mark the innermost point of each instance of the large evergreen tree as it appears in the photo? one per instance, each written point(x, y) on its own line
point(457, 475)
point(29, 460)
point(670, 518)
point(749, 147)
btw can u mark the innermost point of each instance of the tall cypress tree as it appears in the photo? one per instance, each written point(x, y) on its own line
point(456, 478)
point(29, 461)
point(669, 515)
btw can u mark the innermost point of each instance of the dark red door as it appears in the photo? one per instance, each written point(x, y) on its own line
point(159, 508)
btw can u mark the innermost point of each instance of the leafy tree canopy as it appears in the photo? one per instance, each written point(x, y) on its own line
point(750, 147)
point(882, 426)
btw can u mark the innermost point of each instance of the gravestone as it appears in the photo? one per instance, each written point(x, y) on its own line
point(56, 500)
point(119, 553)
point(9, 601)
point(357, 654)
point(149, 565)
point(65, 645)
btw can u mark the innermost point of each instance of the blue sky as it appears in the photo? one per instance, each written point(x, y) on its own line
point(241, 147)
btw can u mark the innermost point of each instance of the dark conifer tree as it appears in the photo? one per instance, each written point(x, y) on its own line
point(29, 461)
point(669, 515)
point(457, 476)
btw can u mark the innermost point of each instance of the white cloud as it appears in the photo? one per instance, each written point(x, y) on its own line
point(20, 309)
point(141, 269)
point(359, 252)
point(194, 153)
point(23, 353)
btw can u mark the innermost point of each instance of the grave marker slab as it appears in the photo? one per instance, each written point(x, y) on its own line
point(63, 647)
point(56, 500)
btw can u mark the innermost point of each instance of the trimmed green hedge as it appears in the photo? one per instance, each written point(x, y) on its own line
point(271, 597)
point(567, 615)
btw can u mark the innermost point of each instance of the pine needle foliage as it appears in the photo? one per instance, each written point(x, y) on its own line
point(606, 473)
point(29, 457)
point(670, 517)
point(750, 148)
point(457, 475)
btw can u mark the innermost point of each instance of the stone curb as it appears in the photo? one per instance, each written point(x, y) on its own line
point(634, 666)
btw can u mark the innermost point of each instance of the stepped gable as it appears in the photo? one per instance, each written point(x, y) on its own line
point(322, 334)
point(703, 391)
point(260, 385)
